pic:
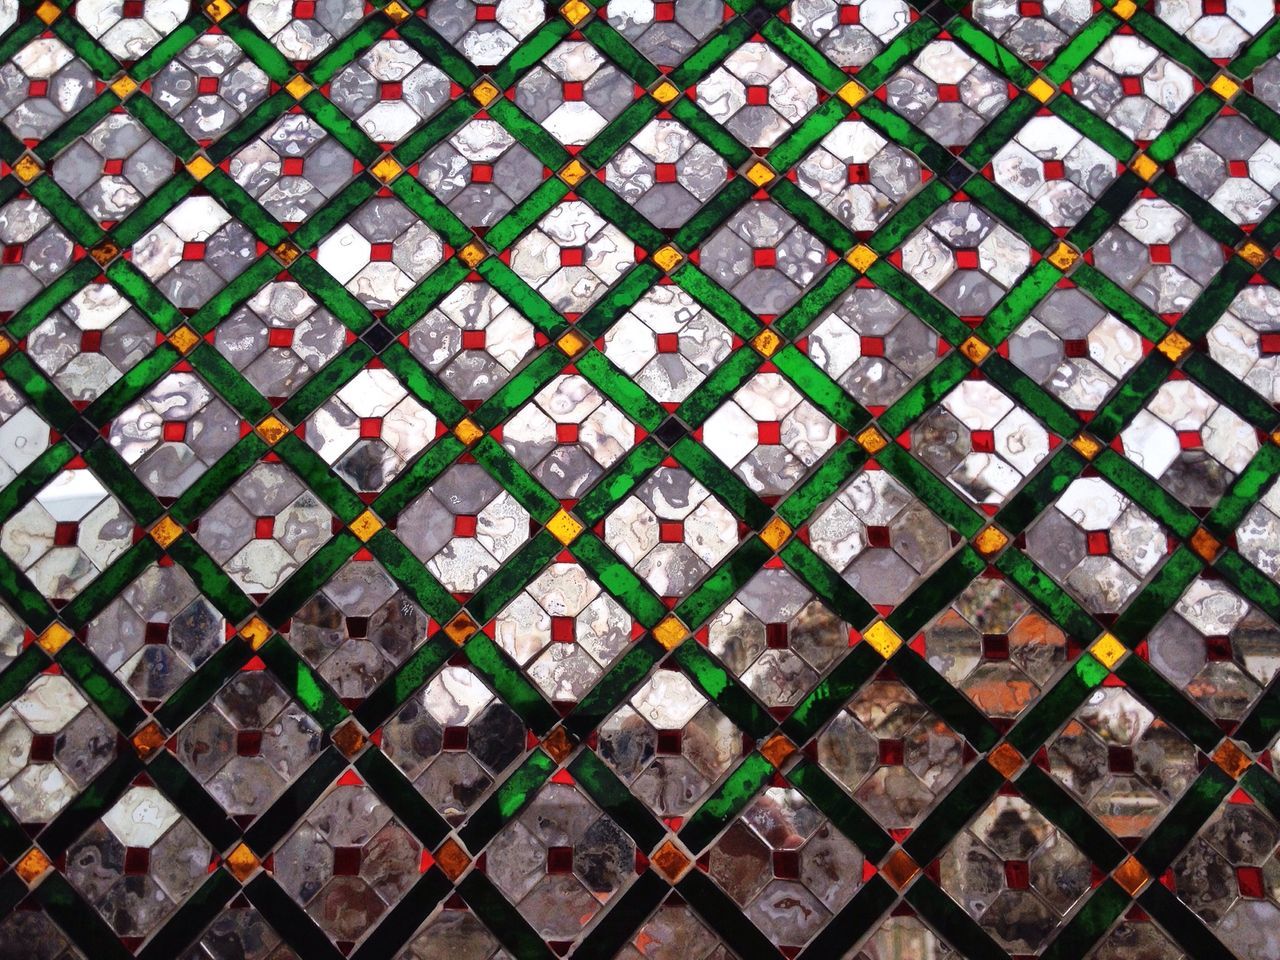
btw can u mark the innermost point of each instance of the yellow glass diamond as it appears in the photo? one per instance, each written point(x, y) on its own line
point(1124, 9)
point(1108, 650)
point(272, 429)
point(975, 349)
point(48, 12)
point(670, 632)
point(27, 169)
point(1144, 166)
point(1087, 446)
point(1041, 89)
point(990, 541)
point(241, 862)
point(217, 10)
point(467, 431)
point(124, 86)
point(572, 343)
point(472, 254)
point(386, 169)
point(564, 527)
point(33, 865)
point(852, 93)
point(861, 257)
point(1224, 86)
point(883, 638)
point(760, 174)
point(1063, 256)
point(54, 638)
point(775, 533)
point(298, 87)
point(1253, 254)
point(665, 91)
point(460, 629)
point(872, 440)
point(766, 342)
point(365, 526)
point(184, 339)
point(575, 11)
point(667, 258)
point(396, 12)
point(256, 632)
point(573, 173)
point(1174, 345)
point(200, 167)
point(485, 93)
point(166, 531)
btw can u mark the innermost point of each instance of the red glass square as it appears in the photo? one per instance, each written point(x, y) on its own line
point(850, 15)
point(12, 253)
point(1098, 542)
point(390, 91)
point(481, 173)
point(381, 251)
point(669, 741)
point(967, 259)
point(1238, 168)
point(370, 427)
point(304, 9)
point(193, 251)
point(668, 342)
point(1160, 253)
point(1075, 348)
point(1054, 170)
point(1131, 86)
point(113, 166)
point(132, 9)
point(890, 752)
point(486, 12)
point(671, 531)
point(292, 166)
point(775, 636)
point(566, 433)
point(464, 525)
point(878, 536)
point(769, 432)
point(455, 738)
point(264, 528)
point(664, 12)
point(859, 173)
point(786, 864)
point(872, 346)
point(571, 90)
point(137, 860)
point(948, 93)
point(174, 431)
point(248, 743)
point(765, 257)
point(983, 441)
point(473, 339)
point(664, 172)
point(279, 337)
point(1190, 440)
point(155, 633)
point(346, 861)
point(1017, 875)
point(65, 534)
point(37, 88)
point(560, 860)
point(207, 85)
point(571, 257)
point(757, 96)
point(563, 630)
point(91, 341)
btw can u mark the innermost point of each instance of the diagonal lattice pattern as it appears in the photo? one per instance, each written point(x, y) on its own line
point(646, 479)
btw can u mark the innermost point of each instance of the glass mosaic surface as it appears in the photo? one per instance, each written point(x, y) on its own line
point(663, 479)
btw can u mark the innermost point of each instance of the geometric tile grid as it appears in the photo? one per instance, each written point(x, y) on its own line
point(647, 479)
